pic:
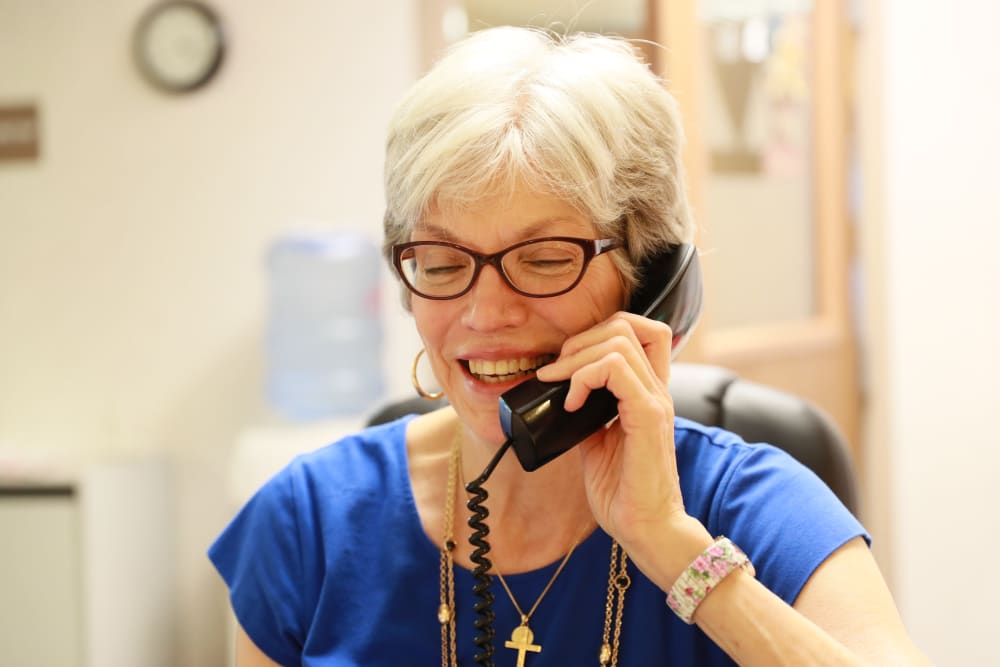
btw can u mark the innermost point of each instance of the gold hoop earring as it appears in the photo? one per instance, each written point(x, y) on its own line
point(416, 383)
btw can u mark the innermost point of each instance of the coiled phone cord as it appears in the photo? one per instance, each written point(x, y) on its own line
point(484, 607)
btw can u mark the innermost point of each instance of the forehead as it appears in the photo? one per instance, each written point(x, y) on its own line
point(504, 219)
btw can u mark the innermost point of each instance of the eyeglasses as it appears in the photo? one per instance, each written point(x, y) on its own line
point(537, 268)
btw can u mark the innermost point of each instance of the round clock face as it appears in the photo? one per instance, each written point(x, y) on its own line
point(179, 45)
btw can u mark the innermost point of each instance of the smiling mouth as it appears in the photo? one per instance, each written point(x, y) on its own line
point(506, 370)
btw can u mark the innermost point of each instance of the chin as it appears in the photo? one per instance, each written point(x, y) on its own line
point(480, 407)
point(488, 428)
point(483, 420)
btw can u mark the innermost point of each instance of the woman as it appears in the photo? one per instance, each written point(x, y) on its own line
point(358, 554)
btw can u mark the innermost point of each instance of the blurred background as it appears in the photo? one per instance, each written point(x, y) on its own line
point(155, 245)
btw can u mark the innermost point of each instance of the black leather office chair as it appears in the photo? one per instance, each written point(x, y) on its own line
point(715, 396)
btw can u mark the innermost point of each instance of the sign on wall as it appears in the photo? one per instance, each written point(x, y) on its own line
point(18, 132)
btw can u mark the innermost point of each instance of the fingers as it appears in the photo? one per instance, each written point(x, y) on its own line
point(628, 354)
point(632, 387)
point(631, 470)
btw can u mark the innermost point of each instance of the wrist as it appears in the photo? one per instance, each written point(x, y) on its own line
point(666, 550)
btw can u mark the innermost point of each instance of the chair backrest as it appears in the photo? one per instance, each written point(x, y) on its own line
point(716, 396)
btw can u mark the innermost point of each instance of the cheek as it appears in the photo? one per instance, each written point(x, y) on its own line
point(615, 296)
point(606, 295)
point(432, 320)
point(431, 327)
point(583, 312)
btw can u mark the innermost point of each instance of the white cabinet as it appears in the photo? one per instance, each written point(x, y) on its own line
point(86, 570)
point(41, 611)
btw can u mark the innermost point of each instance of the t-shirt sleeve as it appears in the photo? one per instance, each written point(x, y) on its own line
point(260, 557)
point(784, 517)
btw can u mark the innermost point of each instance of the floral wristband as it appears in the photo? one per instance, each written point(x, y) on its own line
point(704, 574)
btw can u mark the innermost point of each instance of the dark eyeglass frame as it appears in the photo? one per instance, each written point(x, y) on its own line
point(591, 249)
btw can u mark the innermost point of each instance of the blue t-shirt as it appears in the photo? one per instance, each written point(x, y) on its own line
point(328, 564)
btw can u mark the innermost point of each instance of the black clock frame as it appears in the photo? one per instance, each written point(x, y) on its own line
point(141, 57)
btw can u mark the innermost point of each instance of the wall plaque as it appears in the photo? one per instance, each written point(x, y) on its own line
point(18, 132)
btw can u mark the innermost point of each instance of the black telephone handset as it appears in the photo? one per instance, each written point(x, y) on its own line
point(532, 414)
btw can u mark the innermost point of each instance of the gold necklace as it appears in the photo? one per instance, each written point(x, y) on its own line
point(521, 638)
point(618, 583)
point(446, 610)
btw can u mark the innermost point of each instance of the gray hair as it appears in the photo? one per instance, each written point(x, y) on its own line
point(581, 117)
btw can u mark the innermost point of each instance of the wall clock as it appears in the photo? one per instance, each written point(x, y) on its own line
point(179, 45)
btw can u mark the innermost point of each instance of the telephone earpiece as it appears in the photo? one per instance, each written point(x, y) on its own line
point(531, 414)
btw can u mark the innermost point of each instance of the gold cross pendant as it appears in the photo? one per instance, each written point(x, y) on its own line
point(520, 641)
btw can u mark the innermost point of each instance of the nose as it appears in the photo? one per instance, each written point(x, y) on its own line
point(491, 304)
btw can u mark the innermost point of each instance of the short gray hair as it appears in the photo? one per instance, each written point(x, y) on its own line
point(581, 117)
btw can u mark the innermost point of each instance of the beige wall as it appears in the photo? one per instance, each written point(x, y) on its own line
point(131, 285)
point(930, 233)
point(131, 291)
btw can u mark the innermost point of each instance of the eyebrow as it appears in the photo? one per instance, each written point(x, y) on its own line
point(533, 230)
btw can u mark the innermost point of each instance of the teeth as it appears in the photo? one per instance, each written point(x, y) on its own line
point(504, 370)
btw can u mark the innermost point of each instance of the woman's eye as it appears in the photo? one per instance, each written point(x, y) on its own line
point(548, 262)
point(441, 264)
point(442, 270)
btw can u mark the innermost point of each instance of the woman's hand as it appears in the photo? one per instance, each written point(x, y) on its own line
point(632, 483)
point(630, 468)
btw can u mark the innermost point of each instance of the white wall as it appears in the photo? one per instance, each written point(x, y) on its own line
point(131, 284)
point(931, 233)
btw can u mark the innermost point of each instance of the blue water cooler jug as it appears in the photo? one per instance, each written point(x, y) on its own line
point(324, 331)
